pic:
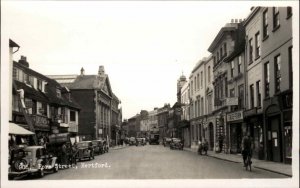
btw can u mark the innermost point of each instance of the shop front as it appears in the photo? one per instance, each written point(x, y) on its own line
point(235, 123)
point(254, 125)
point(278, 121)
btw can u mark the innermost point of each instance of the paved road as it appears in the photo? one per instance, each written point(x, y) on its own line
point(156, 162)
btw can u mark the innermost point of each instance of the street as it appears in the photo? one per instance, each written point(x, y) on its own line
point(156, 162)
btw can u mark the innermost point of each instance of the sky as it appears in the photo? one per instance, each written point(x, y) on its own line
point(144, 46)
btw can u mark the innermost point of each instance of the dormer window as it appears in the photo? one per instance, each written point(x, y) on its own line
point(40, 84)
point(58, 93)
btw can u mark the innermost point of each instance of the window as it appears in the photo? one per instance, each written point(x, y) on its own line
point(20, 75)
point(221, 52)
point(225, 49)
point(40, 84)
point(239, 64)
point(241, 96)
point(201, 74)
point(232, 94)
point(208, 74)
point(267, 79)
point(289, 12)
point(291, 66)
point(251, 96)
point(192, 87)
point(258, 94)
point(72, 115)
point(15, 73)
point(218, 58)
point(257, 45)
point(202, 106)
point(265, 24)
point(195, 83)
point(31, 80)
point(15, 103)
point(275, 18)
point(277, 66)
point(58, 93)
point(214, 60)
point(198, 81)
point(232, 69)
point(250, 51)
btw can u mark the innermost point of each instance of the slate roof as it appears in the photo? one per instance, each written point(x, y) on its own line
point(87, 82)
point(50, 95)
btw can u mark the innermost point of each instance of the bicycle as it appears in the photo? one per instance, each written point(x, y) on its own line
point(248, 163)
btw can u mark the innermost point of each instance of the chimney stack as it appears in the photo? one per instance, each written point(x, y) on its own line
point(23, 61)
point(101, 71)
point(81, 71)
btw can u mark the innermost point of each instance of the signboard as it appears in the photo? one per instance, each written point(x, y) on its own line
point(59, 138)
point(235, 116)
point(232, 101)
point(100, 131)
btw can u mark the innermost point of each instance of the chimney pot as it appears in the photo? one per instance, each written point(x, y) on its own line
point(81, 71)
point(23, 61)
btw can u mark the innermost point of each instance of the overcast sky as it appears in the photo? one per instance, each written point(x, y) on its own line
point(144, 46)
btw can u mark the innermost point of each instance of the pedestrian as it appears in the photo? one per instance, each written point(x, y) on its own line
point(246, 147)
point(64, 154)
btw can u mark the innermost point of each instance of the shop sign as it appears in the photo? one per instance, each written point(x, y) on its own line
point(234, 116)
point(232, 101)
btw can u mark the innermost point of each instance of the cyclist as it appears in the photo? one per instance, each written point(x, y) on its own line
point(246, 147)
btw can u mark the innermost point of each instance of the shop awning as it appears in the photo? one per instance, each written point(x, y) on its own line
point(18, 130)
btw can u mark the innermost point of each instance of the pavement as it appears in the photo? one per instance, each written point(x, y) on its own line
point(280, 168)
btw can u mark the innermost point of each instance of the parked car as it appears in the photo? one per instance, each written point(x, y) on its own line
point(167, 141)
point(140, 141)
point(132, 141)
point(17, 165)
point(98, 146)
point(176, 143)
point(32, 160)
point(85, 150)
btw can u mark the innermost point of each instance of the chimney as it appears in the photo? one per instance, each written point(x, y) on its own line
point(81, 71)
point(23, 61)
point(101, 71)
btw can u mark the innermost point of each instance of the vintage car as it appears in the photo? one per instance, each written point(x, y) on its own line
point(140, 141)
point(32, 160)
point(98, 146)
point(166, 141)
point(132, 141)
point(176, 143)
point(18, 165)
point(85, 150)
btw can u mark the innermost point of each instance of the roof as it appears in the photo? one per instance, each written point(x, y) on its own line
point(50, 95)
point(88, 82)
point(13, 44)
point(227, 28)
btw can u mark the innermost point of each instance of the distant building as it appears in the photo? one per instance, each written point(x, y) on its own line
point(100, 113)
point(162, 120)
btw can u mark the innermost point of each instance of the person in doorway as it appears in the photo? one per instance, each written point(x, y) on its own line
point(246, 147)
